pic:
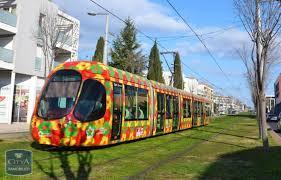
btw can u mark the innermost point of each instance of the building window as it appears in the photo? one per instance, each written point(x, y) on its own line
point(92, 101)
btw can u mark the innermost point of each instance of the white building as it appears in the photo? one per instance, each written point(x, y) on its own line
point(191, 85)
point(21, 57)
point(227, 105)
point(270, 103)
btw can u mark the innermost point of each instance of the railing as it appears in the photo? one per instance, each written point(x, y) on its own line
point(38, 64)
point(6, 55)
point(8, 18)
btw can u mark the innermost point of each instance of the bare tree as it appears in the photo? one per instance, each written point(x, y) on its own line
point(54, 33)
point(261, 20)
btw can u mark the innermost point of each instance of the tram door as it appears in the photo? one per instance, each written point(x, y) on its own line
point(160, 113)
point(176, 113)
point(117, 112)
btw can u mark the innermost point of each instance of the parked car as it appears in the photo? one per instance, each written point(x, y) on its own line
point(278, 125)
point(279, 117)
point(272, 117)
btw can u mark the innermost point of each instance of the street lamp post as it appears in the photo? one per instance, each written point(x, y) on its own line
point(106, 34)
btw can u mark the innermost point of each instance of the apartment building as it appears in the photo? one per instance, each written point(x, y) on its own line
point(270, 103)
point(22, 61)
point(227, 105)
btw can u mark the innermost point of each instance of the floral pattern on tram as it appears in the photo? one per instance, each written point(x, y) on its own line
point(68, 131)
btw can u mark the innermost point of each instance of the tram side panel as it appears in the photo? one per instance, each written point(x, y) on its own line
point(136, 121)
point(186, 113)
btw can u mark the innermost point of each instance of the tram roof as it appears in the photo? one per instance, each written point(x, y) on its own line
point(99, 70)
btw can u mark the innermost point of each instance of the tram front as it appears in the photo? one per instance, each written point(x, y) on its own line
point(65, 112)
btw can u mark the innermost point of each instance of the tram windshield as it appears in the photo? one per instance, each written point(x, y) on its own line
point(59, 95)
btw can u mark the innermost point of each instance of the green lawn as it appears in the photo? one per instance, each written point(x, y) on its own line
point(226, 149)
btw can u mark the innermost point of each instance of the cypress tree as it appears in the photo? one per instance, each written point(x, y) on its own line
point(126, 53)
point(99, 50)
point(155, 71)
point(178, 80)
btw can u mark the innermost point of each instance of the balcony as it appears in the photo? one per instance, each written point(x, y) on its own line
point(63, 39)
point(38, 64)
point(8, 18)
point(6, 55)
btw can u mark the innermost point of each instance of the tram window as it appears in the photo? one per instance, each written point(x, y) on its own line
point(199, 108)
point(130, 102)
point(92, 101)
point(195, 107)
point(142, 104)
point(160, 103)
point(117, 101)
point(169, 101)
point(59, 95)
point(186, 108)
point(189, 108)
point(175, 105)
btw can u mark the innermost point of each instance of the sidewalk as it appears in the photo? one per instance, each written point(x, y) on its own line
point(276, 136)
point(14, 128)
point(15, 131)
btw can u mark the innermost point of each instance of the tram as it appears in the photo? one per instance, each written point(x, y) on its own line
point(90, 104)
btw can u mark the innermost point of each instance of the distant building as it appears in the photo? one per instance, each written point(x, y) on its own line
point(277, 94)
point(21, 55)
point(270, 104)
point(227, 105)
point(191, 85)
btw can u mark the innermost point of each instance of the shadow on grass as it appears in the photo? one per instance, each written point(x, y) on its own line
point(68, 166)
point(220, 128)
point(209, 140)
point(224, 133)
point(246, 164)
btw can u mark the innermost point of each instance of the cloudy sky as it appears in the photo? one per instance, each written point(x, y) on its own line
point(215, 20)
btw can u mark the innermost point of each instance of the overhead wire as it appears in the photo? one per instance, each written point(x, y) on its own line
point(160, 45)
point(199, 38)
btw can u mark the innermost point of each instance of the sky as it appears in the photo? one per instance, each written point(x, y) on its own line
point(215, 20)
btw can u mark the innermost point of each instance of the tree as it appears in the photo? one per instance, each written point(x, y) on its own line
point(178, 80)
point(126, 53)
point(261, 20)
point(99, 50)
point(155, 71)
point(54, 33)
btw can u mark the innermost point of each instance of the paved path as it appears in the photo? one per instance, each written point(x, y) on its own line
point(276, 136)
point(15, 130)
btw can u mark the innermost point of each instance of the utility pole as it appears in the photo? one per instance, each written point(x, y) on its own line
point(105, 40)
point(104, 60)
point(172, 73)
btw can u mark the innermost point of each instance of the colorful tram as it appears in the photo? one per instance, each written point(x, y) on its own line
point(90, 104)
